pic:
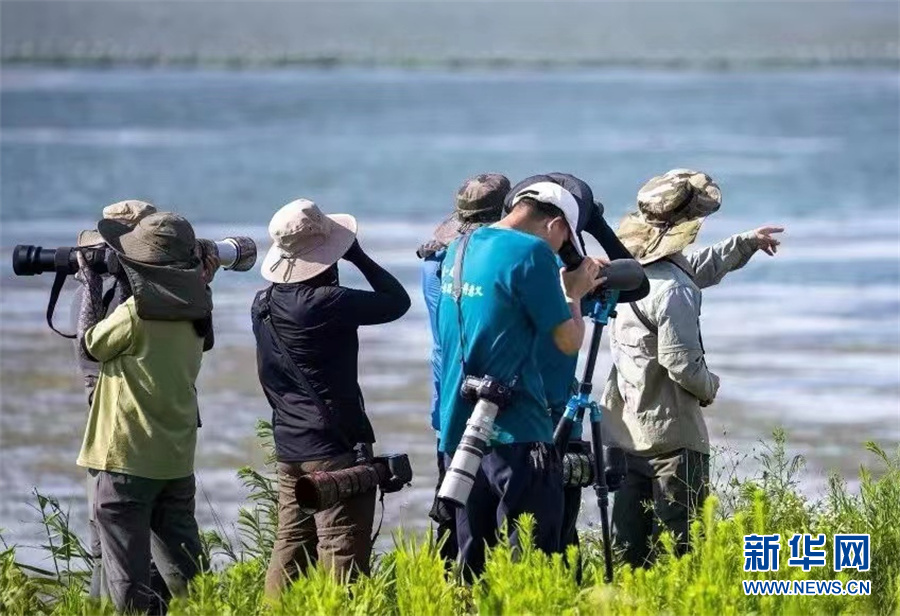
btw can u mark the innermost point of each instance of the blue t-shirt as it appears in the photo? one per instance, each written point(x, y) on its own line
point(558, 373)
point(431, 291)
point(511, 300)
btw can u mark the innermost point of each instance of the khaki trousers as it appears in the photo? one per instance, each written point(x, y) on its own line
point(339, 537)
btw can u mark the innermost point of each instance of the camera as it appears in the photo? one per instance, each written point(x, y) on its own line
point(324, 489)
point(235, 253)
point(578, 467)
point(490, 395)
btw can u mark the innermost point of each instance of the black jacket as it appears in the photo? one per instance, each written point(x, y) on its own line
point(318, 323)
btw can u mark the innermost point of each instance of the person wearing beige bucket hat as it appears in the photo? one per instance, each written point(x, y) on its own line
point(141, 433)
point(659, 379)
point(318, 414)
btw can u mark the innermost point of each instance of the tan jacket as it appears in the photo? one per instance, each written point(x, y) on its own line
point(658, 379)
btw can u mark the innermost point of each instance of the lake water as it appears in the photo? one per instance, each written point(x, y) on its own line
point(809, 340)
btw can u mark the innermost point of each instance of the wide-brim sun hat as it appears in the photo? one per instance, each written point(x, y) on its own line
point(479, 201)
point(162, 238)
point(554, 194)
point(671, 210)
point(128, 212)
point(306, 242)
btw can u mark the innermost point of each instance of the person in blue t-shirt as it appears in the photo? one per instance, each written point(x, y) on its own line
point(513, 295)
point(479, 201)
point(557, 368)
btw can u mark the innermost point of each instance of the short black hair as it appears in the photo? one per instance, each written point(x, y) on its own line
point(539, 209)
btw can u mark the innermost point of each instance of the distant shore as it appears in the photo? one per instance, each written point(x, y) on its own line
point(720, 64)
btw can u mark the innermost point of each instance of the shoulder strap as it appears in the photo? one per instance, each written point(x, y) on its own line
point(643, 318)
point(457, 295)
point(295, 370)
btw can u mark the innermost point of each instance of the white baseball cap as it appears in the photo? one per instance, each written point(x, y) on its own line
point(554, 194)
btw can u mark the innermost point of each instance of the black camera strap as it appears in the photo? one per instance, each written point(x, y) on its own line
point(297, 373)
point(61, 266)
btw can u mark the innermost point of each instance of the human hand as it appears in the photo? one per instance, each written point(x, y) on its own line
point(583, 280)
point(765, 241)
point(715, 379)
point(206, 251)
point(211, 264)
point(354, 252)
point(86, 275)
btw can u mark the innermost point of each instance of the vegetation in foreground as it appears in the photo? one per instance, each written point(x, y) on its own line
point(411, 579)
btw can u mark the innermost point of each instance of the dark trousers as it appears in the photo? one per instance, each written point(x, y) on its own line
point(512, 480)
point(444, 516)
point(660, 493)
point(159, 591)
point(135, 518)
point(340, 537)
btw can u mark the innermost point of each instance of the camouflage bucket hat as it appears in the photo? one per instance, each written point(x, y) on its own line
point(671, 210)
point(478, 201)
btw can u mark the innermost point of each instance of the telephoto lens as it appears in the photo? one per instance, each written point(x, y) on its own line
point(30, 260)
point(235, 253)
point(460, 477)
point(578, 468)
point(490, 395)
point(324, 489)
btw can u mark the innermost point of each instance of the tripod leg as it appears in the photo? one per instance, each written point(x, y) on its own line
point(602, 491)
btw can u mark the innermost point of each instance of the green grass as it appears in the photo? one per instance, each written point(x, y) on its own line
point(412, 579)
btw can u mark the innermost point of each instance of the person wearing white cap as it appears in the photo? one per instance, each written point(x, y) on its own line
point(318, 414)
point(503, 294)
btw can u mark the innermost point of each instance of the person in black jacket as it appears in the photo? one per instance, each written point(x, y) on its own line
point(319, 418)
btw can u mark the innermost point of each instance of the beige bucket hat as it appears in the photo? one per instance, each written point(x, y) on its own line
point(306, 242)
point(127, 212)
point(671, 210)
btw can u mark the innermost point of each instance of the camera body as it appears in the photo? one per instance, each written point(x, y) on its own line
point(486, 388)
point(394, 471)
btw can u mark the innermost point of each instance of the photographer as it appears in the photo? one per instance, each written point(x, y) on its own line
point(479, 201)
point(141, 433)
point(318, 417)
point(557, 368)
point(659, 380)
point(511, 298)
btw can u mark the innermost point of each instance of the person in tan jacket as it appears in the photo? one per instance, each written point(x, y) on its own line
point(659, 380)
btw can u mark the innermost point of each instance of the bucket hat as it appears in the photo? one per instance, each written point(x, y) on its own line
point(479, 201)
point(127, 212)
point(306, 242)
point(671, 209)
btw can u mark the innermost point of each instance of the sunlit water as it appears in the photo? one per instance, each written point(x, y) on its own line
point(808, 340)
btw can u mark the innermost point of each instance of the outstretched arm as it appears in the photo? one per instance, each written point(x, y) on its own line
point(712, 264)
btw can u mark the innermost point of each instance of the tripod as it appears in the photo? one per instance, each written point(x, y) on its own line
point(603, 307)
